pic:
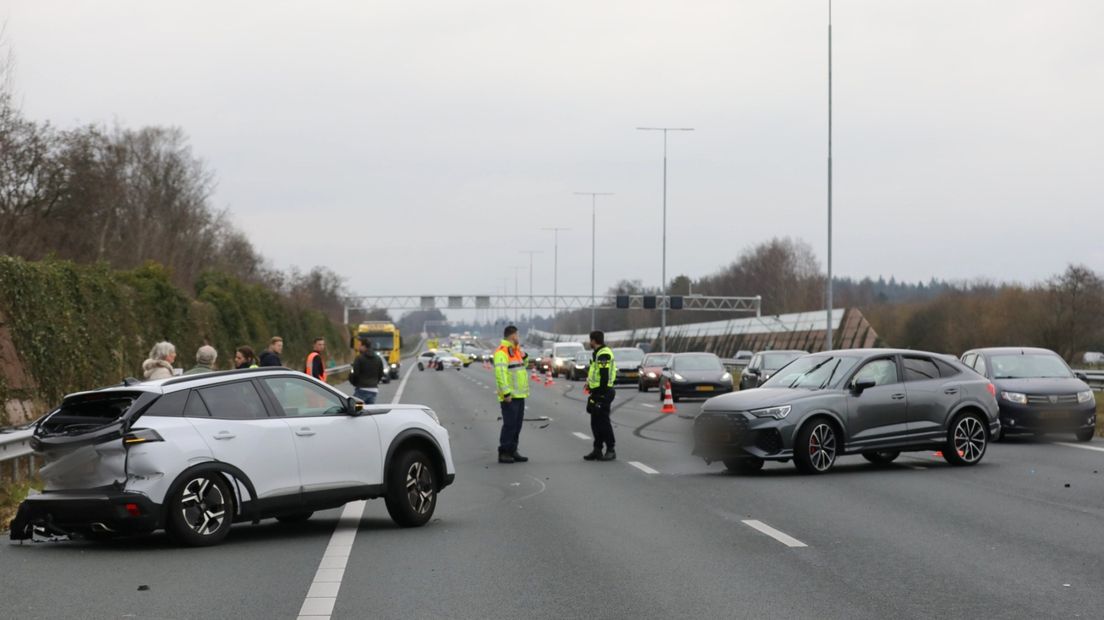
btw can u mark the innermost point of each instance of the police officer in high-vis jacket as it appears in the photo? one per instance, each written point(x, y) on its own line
point(512, 381)
point(600, 380)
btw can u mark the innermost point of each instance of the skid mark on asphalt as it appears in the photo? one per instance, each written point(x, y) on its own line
point(639, 431)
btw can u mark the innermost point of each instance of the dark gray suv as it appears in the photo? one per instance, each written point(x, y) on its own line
point(874, 402)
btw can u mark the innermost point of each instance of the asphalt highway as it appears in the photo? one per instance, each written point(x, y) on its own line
point(655, 534)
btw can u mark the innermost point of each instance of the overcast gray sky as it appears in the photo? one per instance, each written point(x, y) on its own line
point(968, 133)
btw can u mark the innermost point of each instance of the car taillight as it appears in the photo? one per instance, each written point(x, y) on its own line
point(992, 390)
point(141, 435)
point(133, 510)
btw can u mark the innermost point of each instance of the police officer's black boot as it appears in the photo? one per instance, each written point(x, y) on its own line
point(595, 455)
point(610, 454)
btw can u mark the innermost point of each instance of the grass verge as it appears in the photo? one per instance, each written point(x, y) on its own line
point(11, 495)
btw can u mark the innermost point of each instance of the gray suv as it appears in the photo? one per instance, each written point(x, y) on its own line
point(874, 402)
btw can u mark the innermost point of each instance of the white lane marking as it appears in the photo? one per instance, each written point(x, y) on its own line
point(583, 437)
point(781, 537)
point(644, 468)
point(649, 405)
point(322, 595)
point(1078, 445)
point(402, 388)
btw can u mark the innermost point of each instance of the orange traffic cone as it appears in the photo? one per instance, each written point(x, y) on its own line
point(535, 375)
point(548, 382)
point(668, 399)
point(586, 390)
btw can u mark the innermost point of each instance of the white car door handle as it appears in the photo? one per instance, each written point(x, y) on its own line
point(304, 432)
point(225, 435)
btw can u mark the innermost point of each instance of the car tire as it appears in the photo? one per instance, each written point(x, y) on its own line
point(640, 387)
point(1086, 434)
point(674, 397)
point(299, 517)
point(421, 366)
point(816, 447)
point(881, 457)
point(967, 440)
point(744, 465)
point(411, 489)
point(201, 510)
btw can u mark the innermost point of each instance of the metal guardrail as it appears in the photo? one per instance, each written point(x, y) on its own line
point(15, 444)
point(338, 371)
point(1095, 379)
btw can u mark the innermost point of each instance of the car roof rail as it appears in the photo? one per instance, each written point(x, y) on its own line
point(225, 373)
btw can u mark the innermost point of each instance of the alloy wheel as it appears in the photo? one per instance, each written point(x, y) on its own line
point(419, 487)
point(969, 439)
point(203, 506)
point(822, 447)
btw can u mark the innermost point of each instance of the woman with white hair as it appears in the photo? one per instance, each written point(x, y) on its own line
point(160, 362)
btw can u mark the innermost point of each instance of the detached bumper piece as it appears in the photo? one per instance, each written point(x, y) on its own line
point(52, 514)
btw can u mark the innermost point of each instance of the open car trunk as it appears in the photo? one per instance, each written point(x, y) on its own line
point(81, 442)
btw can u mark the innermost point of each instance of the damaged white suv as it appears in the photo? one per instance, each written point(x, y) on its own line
point(193, 454)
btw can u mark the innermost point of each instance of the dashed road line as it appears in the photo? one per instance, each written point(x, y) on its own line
point(583, 436)
point(322, 595)
point(644, 468)
point(781, 537)
point(1081, 446)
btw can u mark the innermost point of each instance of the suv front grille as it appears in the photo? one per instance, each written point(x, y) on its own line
point(1047, 399)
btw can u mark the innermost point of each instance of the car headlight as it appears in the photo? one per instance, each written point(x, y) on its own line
point(432, 415)
point(679, 377)
point(651, 375)
point(579, 367)
point(726, 377)
point(1085, 397)
point(772, 412)
point(1015, 397)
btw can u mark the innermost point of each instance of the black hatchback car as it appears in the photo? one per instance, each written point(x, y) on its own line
point(1037, 391)
point(874, 402)
point(764, 364)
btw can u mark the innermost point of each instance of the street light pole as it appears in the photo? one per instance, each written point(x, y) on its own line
point(663, 284)
point(517, 297)
point(555, 269)
point(593, 245)
point(828, 345)
point(531, 253)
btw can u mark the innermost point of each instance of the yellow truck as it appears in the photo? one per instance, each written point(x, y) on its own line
point(385, 338)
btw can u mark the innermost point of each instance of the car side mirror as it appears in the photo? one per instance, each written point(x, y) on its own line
point(666, 369)
point(1082, 376)
point(754, 371)
point(861, 386)
point(353, 406)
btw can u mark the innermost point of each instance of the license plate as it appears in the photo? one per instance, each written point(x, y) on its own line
point(705, 388)
point(1054, 415)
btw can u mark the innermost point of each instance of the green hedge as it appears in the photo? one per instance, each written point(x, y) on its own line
point(84, 326)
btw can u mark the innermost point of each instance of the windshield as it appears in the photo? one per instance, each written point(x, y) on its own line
point(1030, 366)
point(621, 356)
point(814, 372)
point(582, 356)
point(774, 361)
point(697, 362)
point(657, 360)
point(380, 342)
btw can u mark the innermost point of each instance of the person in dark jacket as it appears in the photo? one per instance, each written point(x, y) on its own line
point(271, 355)
point(367, 373)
